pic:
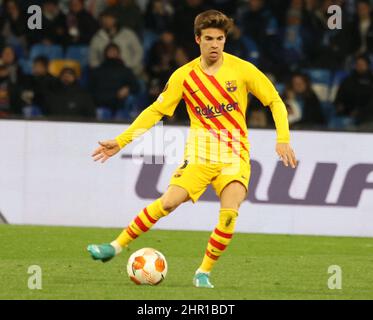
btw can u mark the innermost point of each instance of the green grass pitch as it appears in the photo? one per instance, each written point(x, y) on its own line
point(253, 267)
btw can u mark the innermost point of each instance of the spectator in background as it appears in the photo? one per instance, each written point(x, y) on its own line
point(241, 46)
point(324, 47)
point(158, 16)
point(257, 114)
point(112, 82)
point(68, 99)
point(96, 7)
point(227, 6)
point(129, 44)
point(362, 29)
point(156, 85)
point(9, 93)
point(54, 22)
point(38, 85)
point(81, 26)
point(308, 104)
point(161, 57)
point(2, 40)
point(181, 57)
point(13, 25)
point(292, 106)
point(259, 24)
point(279, 9)
point(53, 25)
point(92, 6)
point(355, 95)
point(128, 16)
point(294, 35)
point(8, 56)
point(185, 13)
point(180, 114)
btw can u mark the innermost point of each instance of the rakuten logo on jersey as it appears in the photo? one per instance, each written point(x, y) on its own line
point(215, 111)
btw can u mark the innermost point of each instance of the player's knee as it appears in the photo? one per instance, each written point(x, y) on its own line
point(169, 204)
point(234, 205)
point(233, 195)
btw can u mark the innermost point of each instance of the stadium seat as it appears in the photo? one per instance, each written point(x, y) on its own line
point(338, 77)
point(149, 39)
point(280, 87)
point(78, 53)
point(252, 49)
point(129, 110)
point(103, 114)
point(56, 66)
point(31, 111)
point(52, 51)
point(338, 122)
point(26, 65)
point(320, 79)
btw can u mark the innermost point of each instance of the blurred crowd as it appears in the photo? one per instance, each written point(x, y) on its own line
point(106, 60)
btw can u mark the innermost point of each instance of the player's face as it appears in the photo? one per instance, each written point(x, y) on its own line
point(211, 43)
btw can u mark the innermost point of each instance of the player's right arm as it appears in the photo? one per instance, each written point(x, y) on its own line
point(164, 105)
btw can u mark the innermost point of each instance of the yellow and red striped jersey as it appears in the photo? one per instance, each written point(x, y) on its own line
point(216, 105)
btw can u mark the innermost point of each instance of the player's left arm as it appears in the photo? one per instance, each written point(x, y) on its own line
point(259, 85)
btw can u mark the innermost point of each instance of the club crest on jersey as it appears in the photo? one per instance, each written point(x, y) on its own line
point(231, 85)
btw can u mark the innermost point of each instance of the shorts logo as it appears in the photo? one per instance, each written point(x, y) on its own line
point(231, 85)
point(178, 174)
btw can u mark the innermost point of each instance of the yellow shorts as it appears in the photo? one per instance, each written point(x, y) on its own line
point(195, 177)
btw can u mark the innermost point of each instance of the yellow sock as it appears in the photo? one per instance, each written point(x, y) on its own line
point(142, 222)
point(219, 239)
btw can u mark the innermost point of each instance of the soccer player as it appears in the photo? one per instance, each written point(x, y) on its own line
point(215, 88)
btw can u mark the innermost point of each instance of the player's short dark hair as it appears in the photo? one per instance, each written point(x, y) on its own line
point(212, 19)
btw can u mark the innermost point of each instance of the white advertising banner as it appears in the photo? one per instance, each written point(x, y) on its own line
point(47, 177)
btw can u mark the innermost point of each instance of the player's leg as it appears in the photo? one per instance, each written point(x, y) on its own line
point(147, 217)
point(231, 198)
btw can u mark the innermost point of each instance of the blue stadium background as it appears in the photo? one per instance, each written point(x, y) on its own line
point(106, 60)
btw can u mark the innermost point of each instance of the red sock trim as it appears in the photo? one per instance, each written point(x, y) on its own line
point(217, 244)
point(131, 233)
point(212, 256)
point(222, 234)
point(141, 224)
point(149, 217)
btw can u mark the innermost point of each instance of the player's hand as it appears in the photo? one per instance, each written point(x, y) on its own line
point(107, 149)
point(286, 154)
